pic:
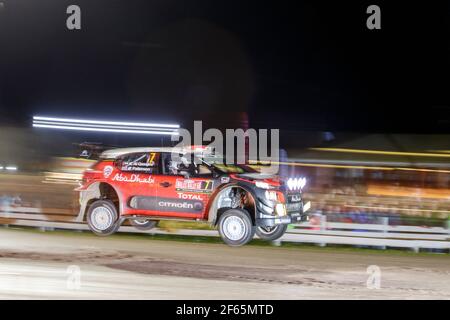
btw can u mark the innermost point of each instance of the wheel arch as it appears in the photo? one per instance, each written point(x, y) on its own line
point(96, 191)
point(214, 210)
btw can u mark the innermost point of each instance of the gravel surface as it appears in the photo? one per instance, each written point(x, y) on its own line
point(45, 266)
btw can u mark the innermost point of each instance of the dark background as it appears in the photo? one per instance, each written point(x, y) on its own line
point(294, 65)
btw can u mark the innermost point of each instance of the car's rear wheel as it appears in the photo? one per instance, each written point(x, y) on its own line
point(143, 224)
point(236, 227)
point(271, 233)
point(102, 218)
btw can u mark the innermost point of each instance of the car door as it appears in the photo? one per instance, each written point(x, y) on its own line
point(136, 180)
point(180, 196)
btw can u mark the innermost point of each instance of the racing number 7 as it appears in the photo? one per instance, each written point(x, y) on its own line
point(151, 159)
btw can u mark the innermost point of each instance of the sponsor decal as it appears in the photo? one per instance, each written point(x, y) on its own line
point(187, 196)
point(145, 163)
point(202, 186)
point(224, 179)
point(296, 198)
point(107, 170)
point(166, 204)
point(84, 153)
point(296, 206)
point(137, 167)
point(196, 206)
point(133, 178)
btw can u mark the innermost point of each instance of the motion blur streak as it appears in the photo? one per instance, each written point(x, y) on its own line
point(393, 153)
point(105, 126)
point(423, 170)
point(104, 130)
point(321, 165)
point(62, 177)
point(138, 124)
point(396, 209)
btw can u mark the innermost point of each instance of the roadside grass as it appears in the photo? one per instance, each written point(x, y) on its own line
point(173, 225)
point(254, 243)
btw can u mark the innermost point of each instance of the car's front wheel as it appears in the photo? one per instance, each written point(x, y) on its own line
point(236, 227)
point(271, 233)
point(102, 218)
point(143, 224)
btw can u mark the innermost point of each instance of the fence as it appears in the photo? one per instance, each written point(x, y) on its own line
point(381, 235)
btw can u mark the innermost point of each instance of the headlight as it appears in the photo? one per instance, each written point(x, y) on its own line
point(280, 209)
point(271, 195)
point(296, 183)
point(291, 184)
point(306, 206)
point(262, 185)
point(275, 196)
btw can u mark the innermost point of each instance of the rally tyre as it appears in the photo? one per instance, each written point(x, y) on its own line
point(236, 227)
point(102, 218)
point(143, 224)
point(271, 234)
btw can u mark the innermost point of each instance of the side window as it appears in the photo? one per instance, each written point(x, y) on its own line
point(170, 167)
point(147, 162)
point(176, 168)
point(203, 170)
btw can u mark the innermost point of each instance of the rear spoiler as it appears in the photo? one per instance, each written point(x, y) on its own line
point(91, 150)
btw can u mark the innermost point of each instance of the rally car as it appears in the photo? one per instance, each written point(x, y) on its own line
point(145, 185)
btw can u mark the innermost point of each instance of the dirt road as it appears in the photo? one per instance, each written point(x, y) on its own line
point(60, 265)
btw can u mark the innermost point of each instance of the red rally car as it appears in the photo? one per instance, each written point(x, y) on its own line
point(145, 185)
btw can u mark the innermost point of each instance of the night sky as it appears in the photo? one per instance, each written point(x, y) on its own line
point(313, 66)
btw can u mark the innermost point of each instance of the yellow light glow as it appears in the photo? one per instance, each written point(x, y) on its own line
point(424, 170)
point(401, 191)
point(383, 152)
point(321, 165)
point(397, 209)
point(280, 209)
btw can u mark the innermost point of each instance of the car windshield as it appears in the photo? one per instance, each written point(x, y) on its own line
point(219, 164)
point(233, 168)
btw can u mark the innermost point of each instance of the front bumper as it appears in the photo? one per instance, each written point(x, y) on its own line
point(295, 211)
point(265, 220)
